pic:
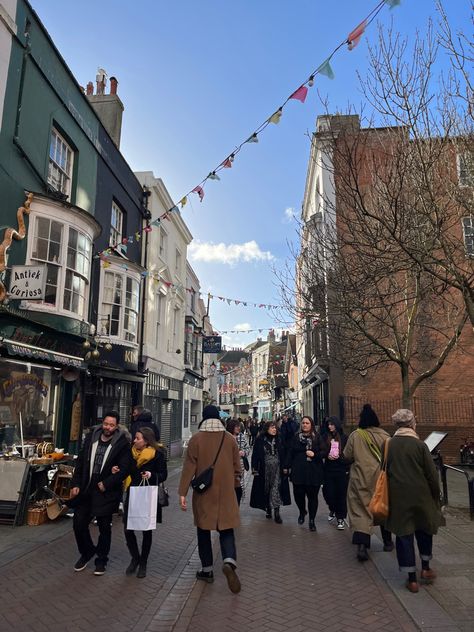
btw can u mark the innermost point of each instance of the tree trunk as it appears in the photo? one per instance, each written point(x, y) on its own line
point(406, 391)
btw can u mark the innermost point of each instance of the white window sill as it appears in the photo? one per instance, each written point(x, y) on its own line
point(46, 308)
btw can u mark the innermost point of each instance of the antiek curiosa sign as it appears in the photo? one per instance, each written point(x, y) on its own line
point(27, 282)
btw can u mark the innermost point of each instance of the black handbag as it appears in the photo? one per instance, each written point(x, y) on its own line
point(246, 463)
point(163, 496)
point(201, 483)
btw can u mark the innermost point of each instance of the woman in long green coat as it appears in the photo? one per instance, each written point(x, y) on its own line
point(414, 498)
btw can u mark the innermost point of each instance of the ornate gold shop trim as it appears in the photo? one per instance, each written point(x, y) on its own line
point(9, 236)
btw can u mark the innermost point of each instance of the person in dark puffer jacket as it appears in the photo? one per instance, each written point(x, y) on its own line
point(144, 420)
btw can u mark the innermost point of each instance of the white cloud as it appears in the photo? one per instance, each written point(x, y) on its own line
point(289, 215)
point(229, 254)
point(242, 327)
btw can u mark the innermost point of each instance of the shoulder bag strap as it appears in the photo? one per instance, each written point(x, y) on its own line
point(219, 450)
point(373, 447)
point(385, 453)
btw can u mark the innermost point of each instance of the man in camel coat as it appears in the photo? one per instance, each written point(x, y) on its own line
point(216, 508)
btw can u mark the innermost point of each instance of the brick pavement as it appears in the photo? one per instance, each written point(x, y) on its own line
point(292, 579)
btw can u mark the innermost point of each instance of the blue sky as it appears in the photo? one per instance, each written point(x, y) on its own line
point(196, 79)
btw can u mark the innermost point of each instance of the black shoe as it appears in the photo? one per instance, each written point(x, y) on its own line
point(206, 576)
point(99, 568)
point(312, 526)
point(81, 564)
point(388, 546)
point(232, 580)
point(362, 554)
point(132, 567)
point(278, 519)
point(301, 519)
point(141, 571)
point(268, 514)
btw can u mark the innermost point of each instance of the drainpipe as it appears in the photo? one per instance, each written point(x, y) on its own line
point(144, 262)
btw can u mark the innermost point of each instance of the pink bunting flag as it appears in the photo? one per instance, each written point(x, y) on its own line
point(354, 37)
point(300, 94)
point(147, 229)
point(125, 240)
point(200, 191)
point(227, 164)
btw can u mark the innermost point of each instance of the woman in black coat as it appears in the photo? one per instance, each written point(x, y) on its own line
point(147, 461)
point(336, 473)
point(270, 487)
point(305, 461)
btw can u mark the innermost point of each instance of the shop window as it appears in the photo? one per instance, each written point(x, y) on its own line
point(120, 306)
point(67, 255)
point(60, 164)
point(28, 392)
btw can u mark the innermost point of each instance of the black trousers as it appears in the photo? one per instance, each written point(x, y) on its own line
point(358, 537)
point(405, 547)
point(227, 542)
point(82, 518)
point(301, 492)
point(132, 544)
point(335, 492)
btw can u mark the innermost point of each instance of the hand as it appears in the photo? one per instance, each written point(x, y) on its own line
point(146, 474)
point(285, 472)
point(74, 492)
point(242, 453)
point(310, 453)
point(254, 473)
point(331, 457)
point(101, 486)
point(115, 469)
point(182, 503)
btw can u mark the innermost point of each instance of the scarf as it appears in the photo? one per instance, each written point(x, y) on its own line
point(141, 457)
point(406, 432)
point(270, 445)
point(306, 439)
point(211, 425)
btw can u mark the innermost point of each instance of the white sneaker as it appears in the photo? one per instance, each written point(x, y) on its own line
point(331, 516)
point(340, 524)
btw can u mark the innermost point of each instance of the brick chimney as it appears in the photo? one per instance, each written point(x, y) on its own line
point(108, 107)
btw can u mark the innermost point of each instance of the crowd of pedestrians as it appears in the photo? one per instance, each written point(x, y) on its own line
point(223, 456)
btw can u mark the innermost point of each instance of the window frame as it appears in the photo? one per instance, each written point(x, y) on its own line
point(163, 244)
point(465, 179)
point(116, 232)
point(104, 325)
point(67, 174)
point(61, 265)
point(468, 237)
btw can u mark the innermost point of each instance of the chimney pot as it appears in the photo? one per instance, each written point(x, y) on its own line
point(90, 88)
point(113, 85)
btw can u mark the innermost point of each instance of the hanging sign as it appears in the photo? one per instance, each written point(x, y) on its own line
point(27, 282)
point(212, 344)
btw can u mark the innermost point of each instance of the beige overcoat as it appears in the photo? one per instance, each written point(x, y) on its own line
point(216, 508)
point(363, 475)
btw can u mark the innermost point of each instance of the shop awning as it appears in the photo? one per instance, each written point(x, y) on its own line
point(38, 353)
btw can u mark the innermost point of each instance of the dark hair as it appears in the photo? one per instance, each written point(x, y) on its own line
point(231, 424)
point(148, 435)
point(368, 417)
point(267, 425)
point(112, 413)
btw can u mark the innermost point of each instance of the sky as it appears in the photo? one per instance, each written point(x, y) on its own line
point(196, 79)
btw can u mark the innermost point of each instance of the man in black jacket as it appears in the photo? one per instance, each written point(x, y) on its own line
point(96, 491)
point(143, 419)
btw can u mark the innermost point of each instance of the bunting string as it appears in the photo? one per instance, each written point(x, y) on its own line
point(299, 94)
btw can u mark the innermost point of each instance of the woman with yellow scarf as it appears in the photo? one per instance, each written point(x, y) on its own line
point(148, 461)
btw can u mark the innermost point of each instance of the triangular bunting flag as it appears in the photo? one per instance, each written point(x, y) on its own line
point(354, 37)
point(300, 94)
point(393, 3)
point(276, 117)
point(200, 191)
point(183, 201)
point(227, 164)
point(325, 69)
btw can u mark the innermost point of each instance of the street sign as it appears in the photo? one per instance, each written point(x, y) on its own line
point(27, 282)
point(212, 344)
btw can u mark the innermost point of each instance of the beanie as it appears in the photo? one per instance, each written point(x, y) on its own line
point(210, 412)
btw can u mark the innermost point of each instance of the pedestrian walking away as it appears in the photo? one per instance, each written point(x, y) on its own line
point(143, 419)
point(414, 498)
point(305, 463)
point(96, 490)
point(336, 473)
point(235, 429)
point(364, 451)
point(147, 461)
point(287, 430)
point(270, 488)
point(216, 508)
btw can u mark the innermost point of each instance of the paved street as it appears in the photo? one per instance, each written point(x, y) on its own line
point(292, 580)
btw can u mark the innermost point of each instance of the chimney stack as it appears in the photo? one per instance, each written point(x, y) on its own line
point(108, 107)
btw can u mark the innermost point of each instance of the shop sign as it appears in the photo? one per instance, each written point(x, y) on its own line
point(42, 354)
point(27, 282)
point(25, 379)
point(212, 344)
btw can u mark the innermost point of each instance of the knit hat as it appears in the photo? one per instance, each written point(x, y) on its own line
point(210, 412)
point(404, 418)
point(368, 417)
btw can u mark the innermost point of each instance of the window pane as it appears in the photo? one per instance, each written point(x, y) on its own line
point(42, 227)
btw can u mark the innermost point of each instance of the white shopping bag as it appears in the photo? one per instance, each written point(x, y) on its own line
point(142, 504)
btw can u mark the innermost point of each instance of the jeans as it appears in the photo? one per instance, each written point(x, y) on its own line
point(300, 492)
point(405, 547)
point(227, 542)
point(82, 518)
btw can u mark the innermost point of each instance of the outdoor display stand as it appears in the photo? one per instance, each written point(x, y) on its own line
point(14, 484)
